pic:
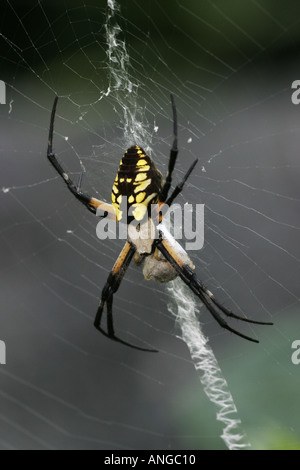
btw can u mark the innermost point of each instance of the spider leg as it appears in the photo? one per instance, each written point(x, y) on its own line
point(229, 313)
point(112, 284)
point(163, 196)
point(190, 279)
point(173, 155)
point(179, 187)
point(90, 202)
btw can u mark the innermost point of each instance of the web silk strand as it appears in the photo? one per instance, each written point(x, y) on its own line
point(126, 90)
point(206, 365)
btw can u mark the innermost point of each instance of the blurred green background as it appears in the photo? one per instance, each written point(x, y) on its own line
point(230, 65)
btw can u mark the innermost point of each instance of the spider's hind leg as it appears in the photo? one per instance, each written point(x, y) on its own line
point(89, 202)
point(186, 273)
point(173, 155)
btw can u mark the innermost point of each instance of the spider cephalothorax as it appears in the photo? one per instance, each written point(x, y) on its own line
point(141, 183)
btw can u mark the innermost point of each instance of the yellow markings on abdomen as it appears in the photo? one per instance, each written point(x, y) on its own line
point(140, 197)
point(140, 177)
point(141, 162)
point(141, 207)
point(142, 186)
point(136, 178)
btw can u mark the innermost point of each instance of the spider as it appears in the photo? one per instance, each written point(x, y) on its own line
point(162, 257)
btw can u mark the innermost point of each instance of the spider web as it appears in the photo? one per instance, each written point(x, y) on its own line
point(230, 67)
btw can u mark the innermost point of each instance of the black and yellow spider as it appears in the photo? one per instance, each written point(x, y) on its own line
point(162, 257)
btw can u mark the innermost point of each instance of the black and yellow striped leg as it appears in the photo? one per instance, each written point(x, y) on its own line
point(190, 279)
point(112, 285)
point(173, 156)
point(90, 202)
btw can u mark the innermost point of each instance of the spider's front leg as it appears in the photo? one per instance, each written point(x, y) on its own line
point(176, 256)
point(112, 285)
point(90, 202)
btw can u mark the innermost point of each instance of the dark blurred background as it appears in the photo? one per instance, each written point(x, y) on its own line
point(230, 65)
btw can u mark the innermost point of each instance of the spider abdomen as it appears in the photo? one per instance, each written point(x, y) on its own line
point(138, 180)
